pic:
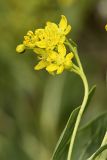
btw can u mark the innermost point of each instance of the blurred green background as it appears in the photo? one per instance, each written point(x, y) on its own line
point(35, 106)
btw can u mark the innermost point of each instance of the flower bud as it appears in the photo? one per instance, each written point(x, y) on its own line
point(20, 48)
point(106, 27)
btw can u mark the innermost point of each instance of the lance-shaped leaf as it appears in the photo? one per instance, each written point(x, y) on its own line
point(89, 138)
point(60, 152)
point(101, 153)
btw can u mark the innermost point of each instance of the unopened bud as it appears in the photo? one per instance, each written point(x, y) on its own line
point(106, 27)
point(20, 48)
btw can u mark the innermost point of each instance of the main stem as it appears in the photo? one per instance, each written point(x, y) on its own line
point(80, 72)
point(83, 77)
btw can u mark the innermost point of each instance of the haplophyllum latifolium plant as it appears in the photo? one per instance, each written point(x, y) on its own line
point(50, 44)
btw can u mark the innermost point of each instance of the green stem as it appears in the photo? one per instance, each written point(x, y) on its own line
point(83, 77)
point(74, 50)
point(80, 72)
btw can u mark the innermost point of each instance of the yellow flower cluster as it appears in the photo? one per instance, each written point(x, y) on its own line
point(48, 44)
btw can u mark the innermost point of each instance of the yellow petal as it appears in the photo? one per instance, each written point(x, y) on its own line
point(51, 67)
point(52, 55)
point(61, 49)
point(69, 56)
point(39, 31)
point(40, 34)
point(50, 25)
point(67, 30)
point(41, 44)
point(39, 51)
point(63, 23)
point(60, 69)
point(68, 62)
point(52, 73)
point(40, 65)
point(62, 39)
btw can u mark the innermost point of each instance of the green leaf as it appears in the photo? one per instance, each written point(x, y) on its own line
point(89, 138)
point(98, 153)
point(101, 153)
point(60, 152)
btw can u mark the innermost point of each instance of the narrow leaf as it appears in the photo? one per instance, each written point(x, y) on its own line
point(101, 153)
point(89, 138)
point(63, 142)
point(98, 152)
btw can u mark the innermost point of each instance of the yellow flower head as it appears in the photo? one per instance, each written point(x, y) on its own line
point(48, 44)
point(54, 34)
point(54, 62)
point(106, 27)
point(49, 37)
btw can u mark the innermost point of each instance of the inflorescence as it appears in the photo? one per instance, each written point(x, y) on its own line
point(49, 45)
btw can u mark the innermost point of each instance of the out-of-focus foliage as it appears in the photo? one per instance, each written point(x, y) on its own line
point(34, 106)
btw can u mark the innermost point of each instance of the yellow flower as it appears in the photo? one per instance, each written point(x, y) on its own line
point(53, 34)
point(106, 27)
point(60, 60)
point(54, 62)
point(49, 37)
point(48, 44)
